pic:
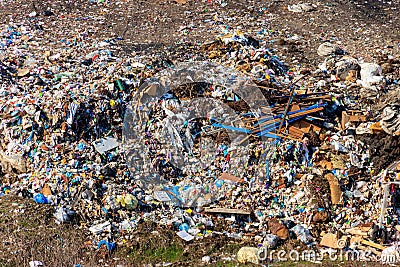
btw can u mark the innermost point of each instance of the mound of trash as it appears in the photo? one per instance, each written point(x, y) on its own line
point(229, 138)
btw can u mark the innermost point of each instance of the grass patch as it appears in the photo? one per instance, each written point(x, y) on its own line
point(171, 253)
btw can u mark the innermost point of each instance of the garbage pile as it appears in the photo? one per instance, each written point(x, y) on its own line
point(322, 178)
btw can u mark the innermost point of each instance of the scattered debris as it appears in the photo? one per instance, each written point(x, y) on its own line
point(315, 163)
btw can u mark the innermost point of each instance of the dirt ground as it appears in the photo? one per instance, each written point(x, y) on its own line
point(363, 28)
point(29, 233)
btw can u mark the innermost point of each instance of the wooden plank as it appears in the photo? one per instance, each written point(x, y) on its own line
point(294, 132)
point(373, 244)
point(306, 126)
point(291, 116)
point(355, 231)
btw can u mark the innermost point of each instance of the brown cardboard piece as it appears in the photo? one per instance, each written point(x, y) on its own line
point(352, 116)
point(278, 229)
point(336, 192)
point(46, 191)
point(329, 240)
point(227, 177)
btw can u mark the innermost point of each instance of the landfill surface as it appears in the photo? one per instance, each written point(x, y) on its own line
point(199, 133)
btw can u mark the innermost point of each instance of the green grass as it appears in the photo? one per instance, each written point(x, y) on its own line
point(168, 254)
point(171, 253)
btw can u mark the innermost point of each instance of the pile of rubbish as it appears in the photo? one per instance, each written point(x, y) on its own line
point(286, 154)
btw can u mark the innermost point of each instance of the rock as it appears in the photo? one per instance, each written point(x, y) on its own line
point(248, 254)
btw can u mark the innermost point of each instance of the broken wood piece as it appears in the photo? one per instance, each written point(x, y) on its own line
point(295, 132)
point(373, 244)
point(376, 252)
point(365, 226)
point(376, 128)
point(306, 126)
point(354, 231)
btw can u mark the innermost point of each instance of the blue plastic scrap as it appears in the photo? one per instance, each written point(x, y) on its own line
point(110, 245)
point(41, 199)
point(231, 128)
